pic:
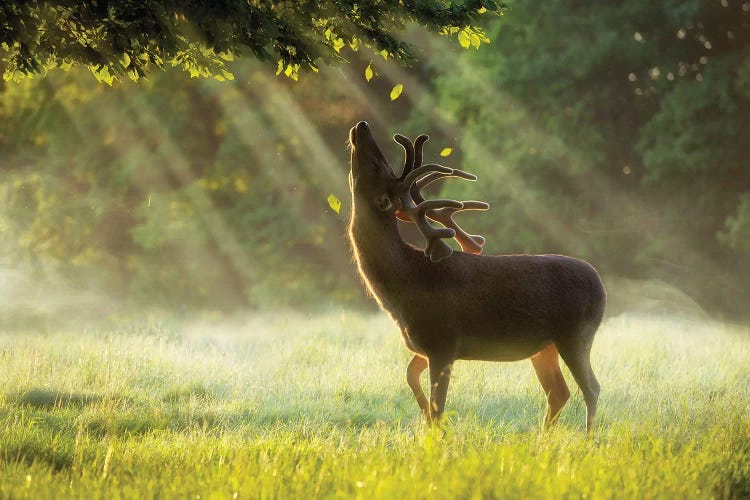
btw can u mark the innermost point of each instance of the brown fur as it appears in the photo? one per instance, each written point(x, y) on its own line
point(494, 308)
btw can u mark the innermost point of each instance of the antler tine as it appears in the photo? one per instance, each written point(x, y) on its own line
point(418, 145)
point(430, 178)
point(408, 154)
point(470, 243)
point(411, 177)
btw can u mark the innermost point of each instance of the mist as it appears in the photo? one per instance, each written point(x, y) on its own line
point(181, 315)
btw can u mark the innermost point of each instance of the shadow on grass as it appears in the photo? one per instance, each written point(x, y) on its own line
point(47, 398)
point(190, 406)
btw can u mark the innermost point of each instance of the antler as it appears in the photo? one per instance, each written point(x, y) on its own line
point(415, 208)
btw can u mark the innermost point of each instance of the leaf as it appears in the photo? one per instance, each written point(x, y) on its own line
point(125, 61)
point(446, 151)
point(475, 41)
point(368, 72)
point(334, 203)
point(464, 39)
point(338, 44)
point(102, 74)
point(396, 91)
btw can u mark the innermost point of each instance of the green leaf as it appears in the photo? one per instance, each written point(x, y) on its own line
point(334, 203)
point(446, 151)
point(396, 91)
point(368, 72)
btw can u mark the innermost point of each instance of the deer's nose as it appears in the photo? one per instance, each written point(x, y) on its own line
point(361, 129)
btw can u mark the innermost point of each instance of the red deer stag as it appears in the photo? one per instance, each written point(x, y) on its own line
point(462, 305)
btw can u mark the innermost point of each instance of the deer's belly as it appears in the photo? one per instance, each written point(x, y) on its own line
point(411, 343)
point(492, 349)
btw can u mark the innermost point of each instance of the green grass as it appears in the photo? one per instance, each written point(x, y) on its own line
point(294, 406)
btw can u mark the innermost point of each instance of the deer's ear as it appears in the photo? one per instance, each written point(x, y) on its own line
point(383, 202)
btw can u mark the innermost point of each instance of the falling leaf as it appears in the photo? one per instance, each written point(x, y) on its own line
point(396, 91)
point(368, 72)
point(446, 151)
point(334, 202)
point(149, 200)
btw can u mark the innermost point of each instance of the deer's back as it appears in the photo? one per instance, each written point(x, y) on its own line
point(498, 307)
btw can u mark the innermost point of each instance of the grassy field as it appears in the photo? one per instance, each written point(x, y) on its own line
point(295, 406)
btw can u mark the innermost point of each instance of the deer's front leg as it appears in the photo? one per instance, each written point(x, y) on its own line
point(414, 370)
point(440, 375)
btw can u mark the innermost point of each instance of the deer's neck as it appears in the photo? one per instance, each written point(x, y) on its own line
point(382, 257)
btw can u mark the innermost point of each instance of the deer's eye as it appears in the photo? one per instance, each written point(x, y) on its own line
point(383, 202)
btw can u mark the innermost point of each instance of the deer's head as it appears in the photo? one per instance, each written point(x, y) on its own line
point(374, 184)
point(371, 179)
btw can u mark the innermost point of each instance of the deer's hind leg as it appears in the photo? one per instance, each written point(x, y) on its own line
point(547, 367)
point(577, 355)
point(414, 370)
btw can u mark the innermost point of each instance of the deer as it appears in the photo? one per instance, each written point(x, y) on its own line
point(462, 305)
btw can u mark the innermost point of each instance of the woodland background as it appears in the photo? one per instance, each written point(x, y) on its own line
point(615, 132)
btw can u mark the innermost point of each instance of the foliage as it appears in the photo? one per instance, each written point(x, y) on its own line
point(178, 192)
point(286, 406)
point(115, 38)
point(615, 133)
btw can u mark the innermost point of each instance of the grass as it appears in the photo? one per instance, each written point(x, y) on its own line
point(295, 406)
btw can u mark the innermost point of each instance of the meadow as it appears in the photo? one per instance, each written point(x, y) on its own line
point(289, 405)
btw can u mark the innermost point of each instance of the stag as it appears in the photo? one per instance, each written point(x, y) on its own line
point(462, 305)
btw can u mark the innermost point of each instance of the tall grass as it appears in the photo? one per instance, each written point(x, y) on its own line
point(295, 406)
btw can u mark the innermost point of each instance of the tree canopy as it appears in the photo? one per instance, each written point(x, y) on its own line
point(616, 133)
point(117, 38)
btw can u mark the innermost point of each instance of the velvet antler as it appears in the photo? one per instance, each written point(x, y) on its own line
point(415, 208)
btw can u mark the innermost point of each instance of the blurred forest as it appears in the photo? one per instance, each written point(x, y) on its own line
point(615, 132)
